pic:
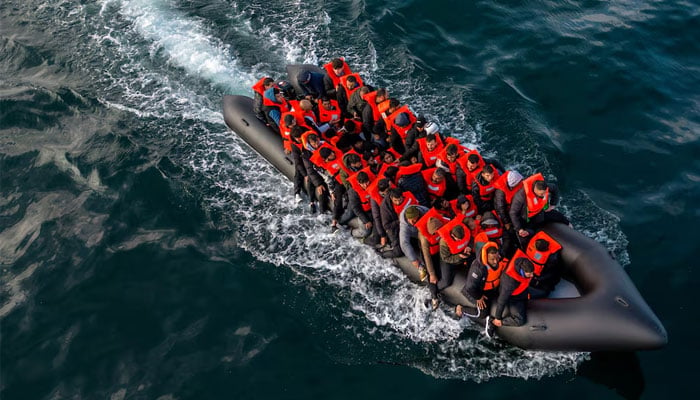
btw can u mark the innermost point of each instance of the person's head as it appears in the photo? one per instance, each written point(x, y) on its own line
point(279, 96)
point(296, 133)
point(431, 142)
point(326, 154)
point(387, 157)
point(337, 65)
point(391, 172)
point(440, 204)
point(306, 105)
point(383, 187)
point(525, 267)
point(541, 245)
point(452, 152)
point(457, 233)
point(420, 123)
point(487, 173)
point(473, 162)
point(289, 121)
point(382, 94)
point(438, 175)
point(364, 90)
point(514, 178)
point(539, 188)
point(393, 104)
point(492, 257)
point(412, 215)
point(313, 140)
point(363, 179)
point(268, 82)
point(352, 161)
point(304, 77)
point(326, 102)
point(396, 196)
point(351, 82)
point(463, 203)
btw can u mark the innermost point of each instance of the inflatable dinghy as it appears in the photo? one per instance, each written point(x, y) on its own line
point(596, 308)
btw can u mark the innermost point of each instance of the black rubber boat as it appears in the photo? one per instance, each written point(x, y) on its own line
point(597, 308)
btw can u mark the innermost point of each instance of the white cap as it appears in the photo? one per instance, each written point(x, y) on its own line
point(431, 127)
point(514, 178)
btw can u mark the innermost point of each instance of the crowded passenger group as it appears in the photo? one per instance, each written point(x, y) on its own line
point(359, 152)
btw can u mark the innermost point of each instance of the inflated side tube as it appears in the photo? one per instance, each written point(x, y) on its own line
point(606, 313)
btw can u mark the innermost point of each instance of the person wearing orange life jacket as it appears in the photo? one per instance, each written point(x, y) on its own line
point(416, 132)
point(329, 112)
point(429, 239)
point(359, 204)
point(512, 294)
point(430, 147)
point(346, 94)
point(439, 183)
point(483, 276)
point(300, 173)
point(378, 190)
point(469, 166)
point(258, 93)
point(448, 158)
point(492, 227)
point(370, 112)
point(455, 250)
point(315, 179)
point(399, 123)
point(274, 105)
point(443, 206)
point(532, 206)
point(482, 188)
point(408, 177)
point(464, 205)
point(544, 252)
point(356, 100)
point(348, 164)
point(335, 69)
point(393, 204)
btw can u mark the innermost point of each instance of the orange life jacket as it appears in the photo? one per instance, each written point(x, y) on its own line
point(328, 115)
point(510, 270)
point(470, 175)
point(334, 166)
point(301, 115)
point(429, 157)
point(539, 258)
point(284, 106)
point(371, 98)
point(408, 200)
point(492, 232)
point(434, 189)
point(493, 276)
point(374, 191)
point(486, 190)
point(471, 211)
point(331, 74)
point(259, 87)
point(363, 194)
point(401, 130)
point(456, 246)
point(344, 84)
point(422, 226)
point(502, 185)
point(452, 164)
point(534, 203)
point(408, 170)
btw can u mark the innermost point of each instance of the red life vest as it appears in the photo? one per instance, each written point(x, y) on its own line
point(334, 166)
point(492, 232)
point(422, 226)
point(283, 106)
point(259, 87)
point(301, 115)
point(371, 98)
point(539, 258)
point(502, 185)
point(456, 246)
point(328, 115)
point(429, 157)
point(363, 194)
point(344, 83)
point(331, 74)
point(401, 130)
point(471, 211)
point(510, 270)
point(408, 170)
point(374, 191)
point(493, 276)
point(534, 203)
point(451, 164)
point(486, 190)
point(471, 175)
point(434, 189)
point(408, 200)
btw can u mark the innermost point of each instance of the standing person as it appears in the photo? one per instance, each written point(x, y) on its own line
point(512, 294)
point(300, 174)
point(393, 204)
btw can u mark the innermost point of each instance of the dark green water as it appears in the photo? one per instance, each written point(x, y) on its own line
point(146, 252)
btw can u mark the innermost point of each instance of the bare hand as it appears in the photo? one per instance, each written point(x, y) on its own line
point(368, 225)
point(523, 233)
point(382, 241)
point(320, 190)
point(481, 303)
point(433, 279)
point(497, 322)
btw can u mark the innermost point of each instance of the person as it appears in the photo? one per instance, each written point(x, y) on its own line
point(455, 250)
point(429, 239)
point(533, 205)
point(300, 174)
point(416, 132)
point(544, 252)
point(351, 164)
point(329, 112)
point(316, 178)
point(258, 92)
point(335, 69)
point(392, 206)
point(371, 113)
point(483, 276)
point(357, 102)
point(430, 146)
point(349, 86)
point(274, 105)
point(407, 232)
point(409, 177)
point(359, 204)
point(512, 294)
point(482, 188)
point(378, 190)
point(312, 84)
